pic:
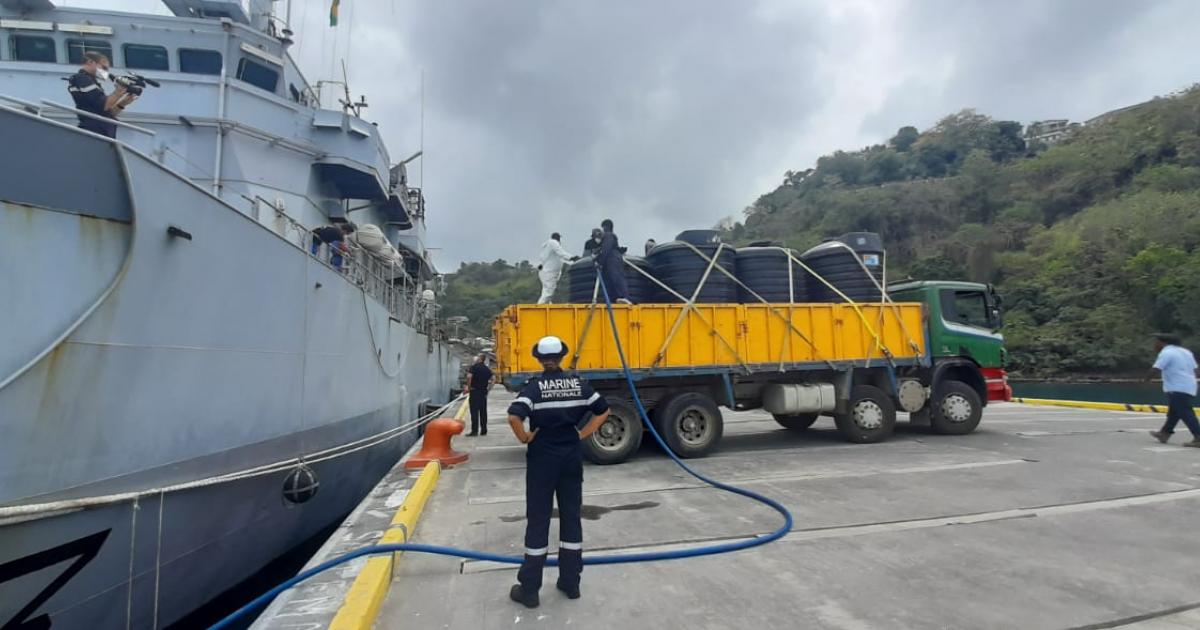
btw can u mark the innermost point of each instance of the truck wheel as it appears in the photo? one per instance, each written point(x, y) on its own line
point(690, 423)
point(955, 408)
point(797, 422)
point(618, 438)
point(872, 416)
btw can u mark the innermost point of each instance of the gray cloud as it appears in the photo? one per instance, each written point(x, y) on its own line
point(644, 114)
point(549, 116)
point(1029, 59)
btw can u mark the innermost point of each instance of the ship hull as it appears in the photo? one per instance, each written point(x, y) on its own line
point(147, 564)
point(168, 363)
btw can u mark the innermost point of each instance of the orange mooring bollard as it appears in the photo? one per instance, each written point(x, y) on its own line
point(437, 445)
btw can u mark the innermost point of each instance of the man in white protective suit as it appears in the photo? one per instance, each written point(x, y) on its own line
point(550, 264)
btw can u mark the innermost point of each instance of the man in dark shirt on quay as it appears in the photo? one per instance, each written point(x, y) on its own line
point(479, 378)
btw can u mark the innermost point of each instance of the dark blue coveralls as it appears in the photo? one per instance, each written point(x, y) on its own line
point(555, 403)
point(612, 267)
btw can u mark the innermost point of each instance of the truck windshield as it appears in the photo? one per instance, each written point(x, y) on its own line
point(965, 307)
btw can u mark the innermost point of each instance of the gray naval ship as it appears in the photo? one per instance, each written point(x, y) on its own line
point(188, 388)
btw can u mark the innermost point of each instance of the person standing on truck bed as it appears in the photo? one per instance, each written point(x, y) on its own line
point(555, 403)
point(479, 379)
point(1178, 368)
point(550, 263)
point(592, 245)
point(612, 264)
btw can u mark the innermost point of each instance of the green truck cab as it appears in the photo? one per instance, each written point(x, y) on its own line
point(963, 321)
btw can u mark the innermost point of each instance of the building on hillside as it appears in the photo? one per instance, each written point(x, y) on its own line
point(1049, 131)
point(1109, 115)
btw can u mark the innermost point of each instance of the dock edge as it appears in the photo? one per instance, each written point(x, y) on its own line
point(361, 605)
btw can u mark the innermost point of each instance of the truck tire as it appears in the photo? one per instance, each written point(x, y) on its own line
point(955, 408)
point(871, 418)
point(690, 423)
point(797, 422)
point(618, 438)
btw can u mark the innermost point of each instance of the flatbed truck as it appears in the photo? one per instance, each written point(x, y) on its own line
point(933, 351)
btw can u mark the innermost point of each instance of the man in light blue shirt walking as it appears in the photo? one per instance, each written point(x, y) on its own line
point(1178, 368)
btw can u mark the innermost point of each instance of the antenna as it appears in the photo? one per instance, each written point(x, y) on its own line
point(421, 178)
point(348, 103)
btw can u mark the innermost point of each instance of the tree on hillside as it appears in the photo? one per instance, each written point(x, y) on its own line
point(904, 138)
point(884, 166)
point(479, 291)
point(982, 187)
point(848, 168)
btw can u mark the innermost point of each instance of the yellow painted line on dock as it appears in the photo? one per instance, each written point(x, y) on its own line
point(361, 605)
point(461, 414)
point(1083, 404)
point(365, 597)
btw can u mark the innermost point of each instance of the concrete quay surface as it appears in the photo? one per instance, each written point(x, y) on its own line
point(1043, 518)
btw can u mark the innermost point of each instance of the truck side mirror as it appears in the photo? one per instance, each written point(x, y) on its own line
point(995, 315)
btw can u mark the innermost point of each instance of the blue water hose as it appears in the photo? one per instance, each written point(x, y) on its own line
point(469, 554)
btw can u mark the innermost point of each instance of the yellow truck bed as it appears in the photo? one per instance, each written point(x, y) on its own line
point(754, 337)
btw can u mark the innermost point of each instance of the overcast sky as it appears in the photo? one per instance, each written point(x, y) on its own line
point(548, 115)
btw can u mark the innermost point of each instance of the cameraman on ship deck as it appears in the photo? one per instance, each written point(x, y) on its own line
point(85, 89)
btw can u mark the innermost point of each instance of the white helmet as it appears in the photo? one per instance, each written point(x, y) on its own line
point(549, 346)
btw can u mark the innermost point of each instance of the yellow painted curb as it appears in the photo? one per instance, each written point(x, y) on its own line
point(361, 605)
point(1082, 404)
point(461, 414)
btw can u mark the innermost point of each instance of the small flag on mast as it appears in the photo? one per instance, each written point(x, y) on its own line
point(333, 12)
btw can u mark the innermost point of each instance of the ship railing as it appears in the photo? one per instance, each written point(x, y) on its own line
point(384, 280)
point(142, 139)
point(79, 112)
point(416, 203)
point(387, 281)
point(40, 110)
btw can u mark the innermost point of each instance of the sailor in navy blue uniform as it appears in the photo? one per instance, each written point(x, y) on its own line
point(85, 89)
point(554, 403)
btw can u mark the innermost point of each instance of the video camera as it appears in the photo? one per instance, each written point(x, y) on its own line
point(134, 83)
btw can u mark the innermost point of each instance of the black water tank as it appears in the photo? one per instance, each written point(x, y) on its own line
point(700, 238)
point(581, 281)
point(841, 261)
point(764, 270)
point(677, 265)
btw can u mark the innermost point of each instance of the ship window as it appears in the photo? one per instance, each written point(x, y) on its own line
point(258, 75)
point(33, 48)
point(142, 57)
point(198, 61)
point(76, 48)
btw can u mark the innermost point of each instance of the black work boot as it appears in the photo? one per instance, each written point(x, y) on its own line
point(572, 592)
point(570, 565)
point(518, 594)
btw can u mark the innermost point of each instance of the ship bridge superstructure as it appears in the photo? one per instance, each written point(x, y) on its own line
point(233, 113)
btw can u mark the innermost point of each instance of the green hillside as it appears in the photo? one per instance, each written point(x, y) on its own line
point(1092, 242)
point(480, 290)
